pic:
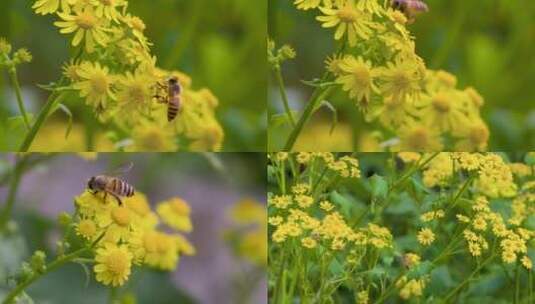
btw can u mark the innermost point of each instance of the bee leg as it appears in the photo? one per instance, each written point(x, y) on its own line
point(117, 198)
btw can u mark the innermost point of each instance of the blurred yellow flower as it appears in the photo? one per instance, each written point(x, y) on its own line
point(175, 213)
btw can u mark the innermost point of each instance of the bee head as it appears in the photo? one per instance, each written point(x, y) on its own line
point(91, 183)
point(173, 80)
point(397, 4)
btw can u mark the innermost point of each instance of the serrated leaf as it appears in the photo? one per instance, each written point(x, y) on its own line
point(379, 186)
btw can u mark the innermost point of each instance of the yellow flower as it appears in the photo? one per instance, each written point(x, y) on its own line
point(426, 236)
point(108, 9)
point(152, 137)
point(175, 213)
point(400, 79)
point(526, 262)
point(362, 297)
point(44, 7)
point(348, 19)
point(95, 85)
point(508, 256)
point(134, 93)
point(443, 110)
point(327, 206)
point(358, 77)
point(411, 260)
point(474, 136)
point(139, 206)
point(184, 246)
point(304, 201)
point(87, 229)
point(113, 265)
point(248, 211)
point(419, 138)
point(307, 4)
point(309, 242)
point(275, 220)
point(86, 24)
point(161, 250)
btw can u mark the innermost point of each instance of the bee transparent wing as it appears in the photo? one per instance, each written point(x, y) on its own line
point(121, 170)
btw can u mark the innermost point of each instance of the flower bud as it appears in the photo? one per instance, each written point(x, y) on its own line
point(64, 219)
point(5, 47)
point(38, 261)
point(287, 52)
point(22, 56)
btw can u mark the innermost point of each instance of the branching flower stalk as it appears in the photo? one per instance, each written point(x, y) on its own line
point(19, 57)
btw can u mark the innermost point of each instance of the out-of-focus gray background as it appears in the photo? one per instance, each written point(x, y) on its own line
point(210, 183)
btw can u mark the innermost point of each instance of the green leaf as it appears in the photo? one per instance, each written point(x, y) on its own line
point(345, 203)
point(379, 186)
point(336, 268)
point(280, 119)
point(318, 83)
point(334, 114)
point(420, 270)
point(530, 159)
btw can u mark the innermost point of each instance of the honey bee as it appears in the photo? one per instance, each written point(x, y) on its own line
point(411, 8)
point(172, 89)
point(111, 185)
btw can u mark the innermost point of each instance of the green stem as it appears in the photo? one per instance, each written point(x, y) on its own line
point(284, 96)
point(12, 71)
point(317, 97)
point(517, 284)
point(13, 187)
point(43, 115)
point(50, 267)
point(461, 191)
point(463, 283)
point(412, 171)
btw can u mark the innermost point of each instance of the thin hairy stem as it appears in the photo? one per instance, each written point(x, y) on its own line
point(284, 96)
point(12, 71)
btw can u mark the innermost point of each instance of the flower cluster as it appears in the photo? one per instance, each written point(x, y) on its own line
point(311, 218)
point(494, 178)
point(418, 109)
point(128, 234)
point(116, 75)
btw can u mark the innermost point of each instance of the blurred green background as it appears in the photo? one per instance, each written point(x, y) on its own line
point(219, 43)
point(486, 44)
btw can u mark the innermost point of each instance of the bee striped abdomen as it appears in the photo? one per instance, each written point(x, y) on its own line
point(173, 108)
